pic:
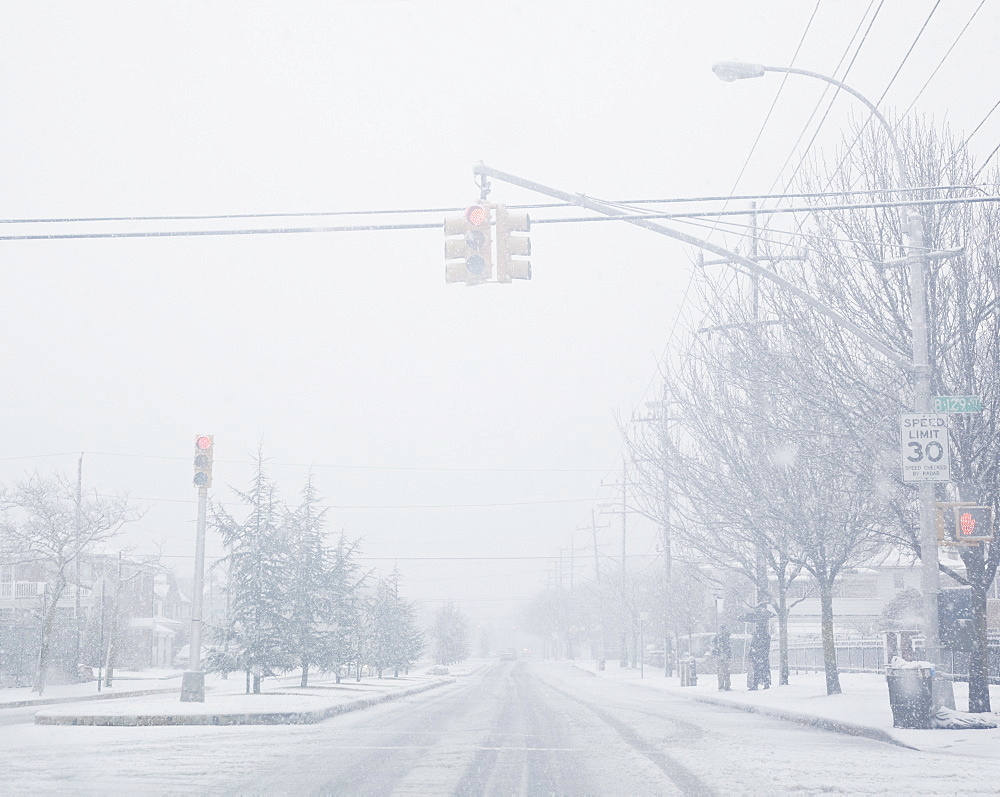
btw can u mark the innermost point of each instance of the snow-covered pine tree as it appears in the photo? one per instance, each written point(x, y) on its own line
point(409, 638)
point(309, 597)
point(258, 578)
point(344, 581)
point(393, 640)
point(451, 635)
point(380, 623)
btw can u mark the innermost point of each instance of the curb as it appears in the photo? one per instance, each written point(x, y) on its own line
point(838, 726)
point(276, 718)
point(48, 701)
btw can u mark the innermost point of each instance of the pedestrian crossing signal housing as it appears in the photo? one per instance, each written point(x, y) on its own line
point(468, 246)
point(204, 446)
point(972, 523)
point(511, 246)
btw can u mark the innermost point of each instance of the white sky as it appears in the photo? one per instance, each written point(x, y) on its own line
point(347, 351)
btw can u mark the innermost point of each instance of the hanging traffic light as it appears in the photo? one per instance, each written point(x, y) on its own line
point(204, 445)
point(468, 246)
point(972, 523)
point(511, 246)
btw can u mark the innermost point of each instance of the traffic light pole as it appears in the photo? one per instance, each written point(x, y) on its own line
point(640, 221)
point(193, 684)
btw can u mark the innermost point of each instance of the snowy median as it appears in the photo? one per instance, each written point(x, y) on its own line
point(285, 707)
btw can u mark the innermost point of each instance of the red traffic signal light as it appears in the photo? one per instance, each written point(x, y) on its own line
point(204, 445)
point(468, 246)
point(476, 215)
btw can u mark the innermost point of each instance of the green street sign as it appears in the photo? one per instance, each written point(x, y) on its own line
point(958, 404)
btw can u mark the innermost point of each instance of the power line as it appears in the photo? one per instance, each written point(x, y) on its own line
point(944, 58)
point(377, 506)
point(417, 211)
point(826, 89)
point(774, 102)
point(341, 466)
point(579, 219)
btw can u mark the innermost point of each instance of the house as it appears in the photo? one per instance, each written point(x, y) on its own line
point(136, 598)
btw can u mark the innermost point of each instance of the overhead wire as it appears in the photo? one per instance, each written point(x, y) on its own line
point(944, 58)
point(826, 89)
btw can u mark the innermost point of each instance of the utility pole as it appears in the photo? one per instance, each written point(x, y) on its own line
point(77, 527)
point(193, 684)
point(602, 656)
point(626, 615)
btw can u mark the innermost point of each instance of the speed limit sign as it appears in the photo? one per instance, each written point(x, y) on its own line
point(923, 439)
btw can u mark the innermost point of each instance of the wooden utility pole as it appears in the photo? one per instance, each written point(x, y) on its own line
point(76, 608)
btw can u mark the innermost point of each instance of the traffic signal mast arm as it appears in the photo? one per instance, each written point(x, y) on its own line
point(580, 200)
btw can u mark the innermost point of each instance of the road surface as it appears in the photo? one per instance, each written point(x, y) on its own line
point(510, 728)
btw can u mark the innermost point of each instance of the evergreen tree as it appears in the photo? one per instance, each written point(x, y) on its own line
point(309, 597)
point(394, 641)
point(258, 577)
point(343, 585)
point(451, 635)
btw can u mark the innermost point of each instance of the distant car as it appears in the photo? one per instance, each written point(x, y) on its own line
point(438, 670)
point(508, 655)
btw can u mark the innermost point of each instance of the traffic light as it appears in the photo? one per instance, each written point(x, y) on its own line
point(511, 246)
point(468, 246)
point(972, 523)
point(203, 456)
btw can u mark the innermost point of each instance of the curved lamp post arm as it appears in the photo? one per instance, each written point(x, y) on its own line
point(730, 71)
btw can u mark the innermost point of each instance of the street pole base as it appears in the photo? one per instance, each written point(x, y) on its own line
point(193, 687)
point(942, 692)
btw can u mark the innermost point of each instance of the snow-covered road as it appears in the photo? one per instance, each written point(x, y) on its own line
point(511, 728)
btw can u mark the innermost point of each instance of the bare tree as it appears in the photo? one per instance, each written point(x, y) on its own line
point(40, 525)
point(852, 270)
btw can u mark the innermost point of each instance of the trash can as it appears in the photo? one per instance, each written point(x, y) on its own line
point(689, 673)
point(910, 695)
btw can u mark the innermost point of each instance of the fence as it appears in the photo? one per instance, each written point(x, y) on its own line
point(868, 655)
point(21, 589)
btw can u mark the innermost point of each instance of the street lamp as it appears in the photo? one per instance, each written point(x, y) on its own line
point(913, 233)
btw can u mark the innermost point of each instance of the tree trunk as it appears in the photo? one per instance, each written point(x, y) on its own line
point(782, 634)
point(109, 662)
point(45, 646)
point(305, 674)
point(829, 647)
point(256, 684)
point(979, 680)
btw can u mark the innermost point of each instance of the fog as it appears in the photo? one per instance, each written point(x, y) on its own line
point(465, 434)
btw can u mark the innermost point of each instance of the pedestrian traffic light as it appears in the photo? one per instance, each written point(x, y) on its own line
point(468, 246)
point(203, 456)
point(972, 523)
point(510, 247)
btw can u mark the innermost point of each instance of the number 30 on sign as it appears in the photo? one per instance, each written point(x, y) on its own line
point(923, 438)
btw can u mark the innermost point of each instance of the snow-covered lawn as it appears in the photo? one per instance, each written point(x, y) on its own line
point(864, 701)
